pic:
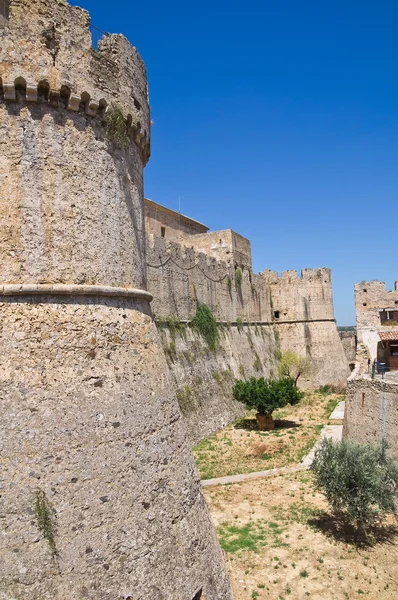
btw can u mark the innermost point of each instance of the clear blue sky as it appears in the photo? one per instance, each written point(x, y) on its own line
point(279, 120)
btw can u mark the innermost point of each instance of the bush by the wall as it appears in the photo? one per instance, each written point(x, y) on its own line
point(266, 395)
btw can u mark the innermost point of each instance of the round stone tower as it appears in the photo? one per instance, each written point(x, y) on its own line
point(99, 495)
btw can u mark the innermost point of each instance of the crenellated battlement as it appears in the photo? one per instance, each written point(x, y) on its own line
point(47, 57)
point(321, 275)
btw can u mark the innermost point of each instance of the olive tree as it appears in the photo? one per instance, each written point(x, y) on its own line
point(266, 396)
point(360, 481)
point(292, 365)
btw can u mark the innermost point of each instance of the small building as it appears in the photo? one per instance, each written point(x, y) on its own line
point(225, 245)
point(377, 325)
point(166, 223)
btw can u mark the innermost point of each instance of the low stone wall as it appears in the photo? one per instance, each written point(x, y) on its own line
point(203, 379)
point(371, 412)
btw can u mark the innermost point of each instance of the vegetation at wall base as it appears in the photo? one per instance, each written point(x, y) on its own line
point(205, 323)
point(360, 481)
point(115, 126)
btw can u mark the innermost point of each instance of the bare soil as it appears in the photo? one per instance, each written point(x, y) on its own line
point(241, 448)
point(281, 542)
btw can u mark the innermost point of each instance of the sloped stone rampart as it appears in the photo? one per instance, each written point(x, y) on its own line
point(203, 379)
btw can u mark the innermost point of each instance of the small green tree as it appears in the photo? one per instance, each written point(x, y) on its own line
point(266, 395)
point(359, 481)
point(293, 365)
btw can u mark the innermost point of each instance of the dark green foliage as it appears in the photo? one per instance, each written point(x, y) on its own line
point(267, 395)
point(205, 323)
point(46, 515)
point(359, 481)
point(116, 126)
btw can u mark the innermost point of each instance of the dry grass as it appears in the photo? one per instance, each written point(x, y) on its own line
point(241, 448)
point(280, 542)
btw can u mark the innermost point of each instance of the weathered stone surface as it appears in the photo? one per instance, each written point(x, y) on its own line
point(203, 379)
point(299, 309)
point(371, 412)
point(89, 418)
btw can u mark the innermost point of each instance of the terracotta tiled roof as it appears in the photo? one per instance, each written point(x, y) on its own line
point(388, 335)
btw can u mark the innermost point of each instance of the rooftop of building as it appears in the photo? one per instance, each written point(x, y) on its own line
point(164, 209)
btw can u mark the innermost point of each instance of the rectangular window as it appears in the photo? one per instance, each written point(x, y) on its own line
point(394, 350)
point(163, 232)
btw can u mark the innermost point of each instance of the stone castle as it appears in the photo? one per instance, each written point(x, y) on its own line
point(262, 315)
point(100, 497)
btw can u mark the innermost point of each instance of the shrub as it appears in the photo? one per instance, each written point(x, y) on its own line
point(266, 395)
point(293, 365)
point(359, 481)
point(205, 323)
point(115, 126)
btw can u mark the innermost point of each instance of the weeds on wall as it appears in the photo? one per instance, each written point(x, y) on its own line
point(116, 126)
point(238, 279)
point(184, 398)
point(239, 324)
point(229, 282)
point(257, 363)
point(205, 323)
point(173, 324)
point(46, 520)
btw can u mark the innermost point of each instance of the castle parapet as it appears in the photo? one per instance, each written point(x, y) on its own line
point(47, 57)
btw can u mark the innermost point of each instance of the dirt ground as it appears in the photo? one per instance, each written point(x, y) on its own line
point(241, 448)
point(281, 543)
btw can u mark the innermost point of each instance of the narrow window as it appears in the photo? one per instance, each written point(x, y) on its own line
point(364, 304)
point(163, 232)
point(276, 314)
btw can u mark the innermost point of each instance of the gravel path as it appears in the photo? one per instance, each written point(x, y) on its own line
point(330, 431)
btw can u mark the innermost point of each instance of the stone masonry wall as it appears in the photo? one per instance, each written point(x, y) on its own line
point(303, 314)
point(179, 278)
point(371, 412)
point(91, 432)
point(203, 379)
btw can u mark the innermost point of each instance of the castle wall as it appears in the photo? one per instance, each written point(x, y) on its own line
point(303, 313)
point(92, 436)
point(203, 379)
point(179, 278)
point(371, 412)
point(225, 245)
